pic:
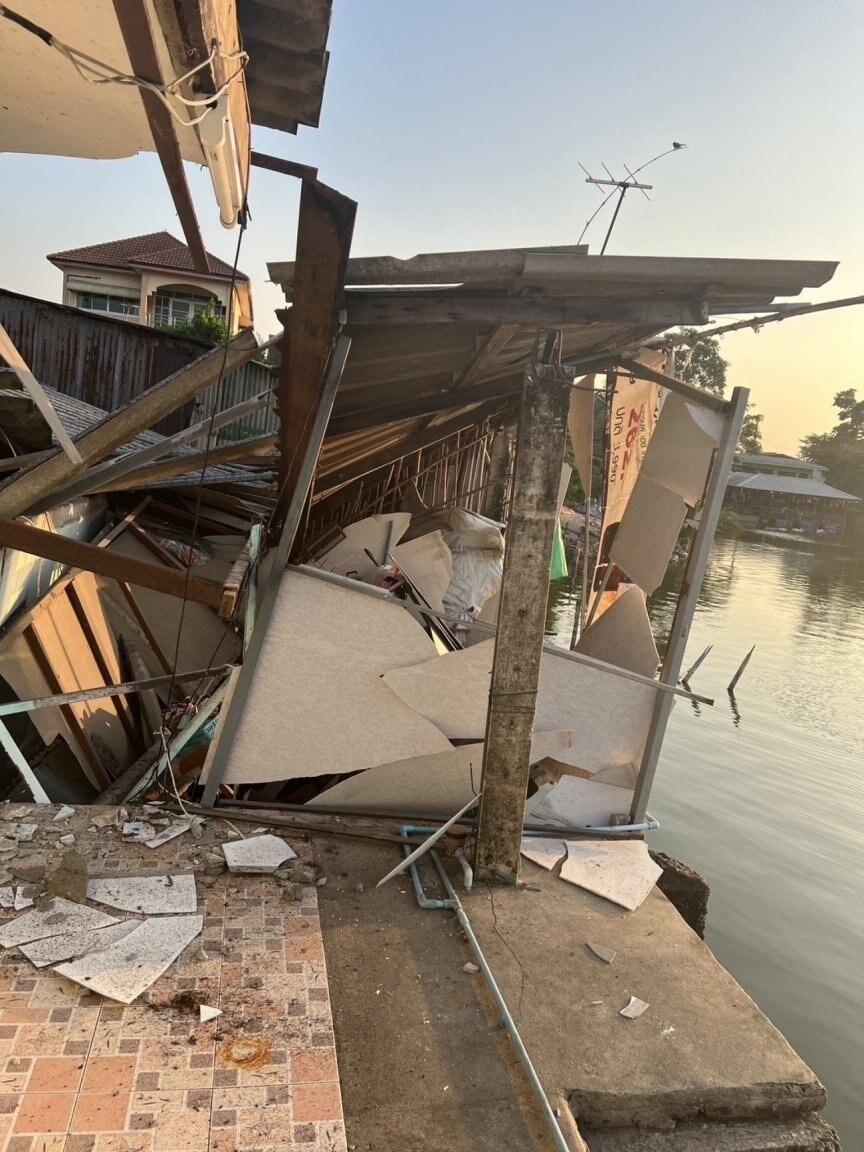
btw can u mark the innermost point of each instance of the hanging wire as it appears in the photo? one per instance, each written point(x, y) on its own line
point(164, 731)
point(95, 71)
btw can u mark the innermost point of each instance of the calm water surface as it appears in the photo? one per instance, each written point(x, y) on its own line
point(766, 799)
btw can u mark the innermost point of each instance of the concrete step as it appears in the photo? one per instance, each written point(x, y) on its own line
point(806, 1134)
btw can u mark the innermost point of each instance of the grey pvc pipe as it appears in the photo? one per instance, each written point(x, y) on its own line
point(453, 904)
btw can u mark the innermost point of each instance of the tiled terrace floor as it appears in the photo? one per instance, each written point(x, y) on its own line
point(79, 1073)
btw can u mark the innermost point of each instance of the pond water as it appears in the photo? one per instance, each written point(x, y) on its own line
point(765, 796)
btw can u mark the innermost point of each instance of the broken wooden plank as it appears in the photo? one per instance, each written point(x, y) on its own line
point(324, 233)
point(22, 492)
point(92, 558)
point(367, 308)
point(135, 28)
point(234, 582)
point(99, 477)
point(284, 167)
point(37, 394)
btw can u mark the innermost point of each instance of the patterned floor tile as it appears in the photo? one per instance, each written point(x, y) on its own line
point(82, 1074)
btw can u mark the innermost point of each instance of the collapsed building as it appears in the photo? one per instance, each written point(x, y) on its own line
point(331, 624)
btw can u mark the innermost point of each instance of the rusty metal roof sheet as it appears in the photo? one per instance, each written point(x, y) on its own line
point(287, 45)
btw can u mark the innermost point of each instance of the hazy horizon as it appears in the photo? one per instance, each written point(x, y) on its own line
point(462, 126)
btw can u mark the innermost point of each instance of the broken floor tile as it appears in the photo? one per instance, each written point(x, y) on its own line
point(618, 870)
point(634, 1009)
point(607, 955)
point(175, 828)
point(257, 854)
point(125, 969)
point(70, 945)
point(150, 895)
point(546, 853)
point(138, 831)
point(57, 917)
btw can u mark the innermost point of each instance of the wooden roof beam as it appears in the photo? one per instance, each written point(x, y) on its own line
point(28, 488)
point(138, 38)
point(92, 558)
point(366, 308)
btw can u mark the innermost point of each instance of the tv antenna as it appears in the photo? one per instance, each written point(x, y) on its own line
point(621, 188)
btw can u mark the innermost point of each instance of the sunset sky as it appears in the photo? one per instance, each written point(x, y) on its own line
point(461, 125)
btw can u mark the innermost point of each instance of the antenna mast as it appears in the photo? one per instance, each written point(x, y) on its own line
point(622, 187)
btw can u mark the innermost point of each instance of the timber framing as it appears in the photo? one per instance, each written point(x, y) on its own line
point(25, 491)
point(138, 38)
point(434, 308)
point(324, 234)
point(92, 558)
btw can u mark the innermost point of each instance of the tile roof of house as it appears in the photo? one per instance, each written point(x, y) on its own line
point(153, 250)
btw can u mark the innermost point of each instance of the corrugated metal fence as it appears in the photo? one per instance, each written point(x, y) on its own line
point(108, 362)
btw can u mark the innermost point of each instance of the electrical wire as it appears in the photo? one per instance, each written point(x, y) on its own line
point(164, 733)
point(96, 71)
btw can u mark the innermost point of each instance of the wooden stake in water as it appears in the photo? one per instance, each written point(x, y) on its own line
point(696, 664)
point(740, 672)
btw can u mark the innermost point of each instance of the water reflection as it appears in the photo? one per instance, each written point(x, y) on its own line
point(764, 793)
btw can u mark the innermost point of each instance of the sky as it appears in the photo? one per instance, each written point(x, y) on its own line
point(462, 125)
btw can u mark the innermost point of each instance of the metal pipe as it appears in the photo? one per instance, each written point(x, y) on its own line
point(694, 574)
point(467, 870)
point(507, 1020)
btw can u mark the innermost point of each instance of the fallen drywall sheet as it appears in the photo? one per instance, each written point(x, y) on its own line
point(609, 715)
point(647, 533)
point(349, 558)
point(436, 785)
point(618, 870)
point(317, 704)
point(150, 895)
point(682, 447)
point(428, 564)
point(69, 946)
point(125, 969)
point(578, 803)
point(257, 854)
point(57, 917)
point(622, 635)
point(546, 853)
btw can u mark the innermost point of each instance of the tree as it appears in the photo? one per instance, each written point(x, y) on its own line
point(750, 440)
point(841, 450)
point(703, 367)
point(204, 325)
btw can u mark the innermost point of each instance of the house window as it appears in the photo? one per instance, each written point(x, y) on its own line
point(102, 302)
point(173, 308)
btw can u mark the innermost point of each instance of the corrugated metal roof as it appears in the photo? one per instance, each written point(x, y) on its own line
point(78, 417)
point(792, 485)
point(778, 460)
point(287, 45)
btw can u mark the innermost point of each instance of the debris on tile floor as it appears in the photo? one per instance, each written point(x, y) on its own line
point(261, 854)
point(231, 1048)
point(150, 895)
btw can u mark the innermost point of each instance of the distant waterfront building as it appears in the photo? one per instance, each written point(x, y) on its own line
point(151, 280)
point(785, 494)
